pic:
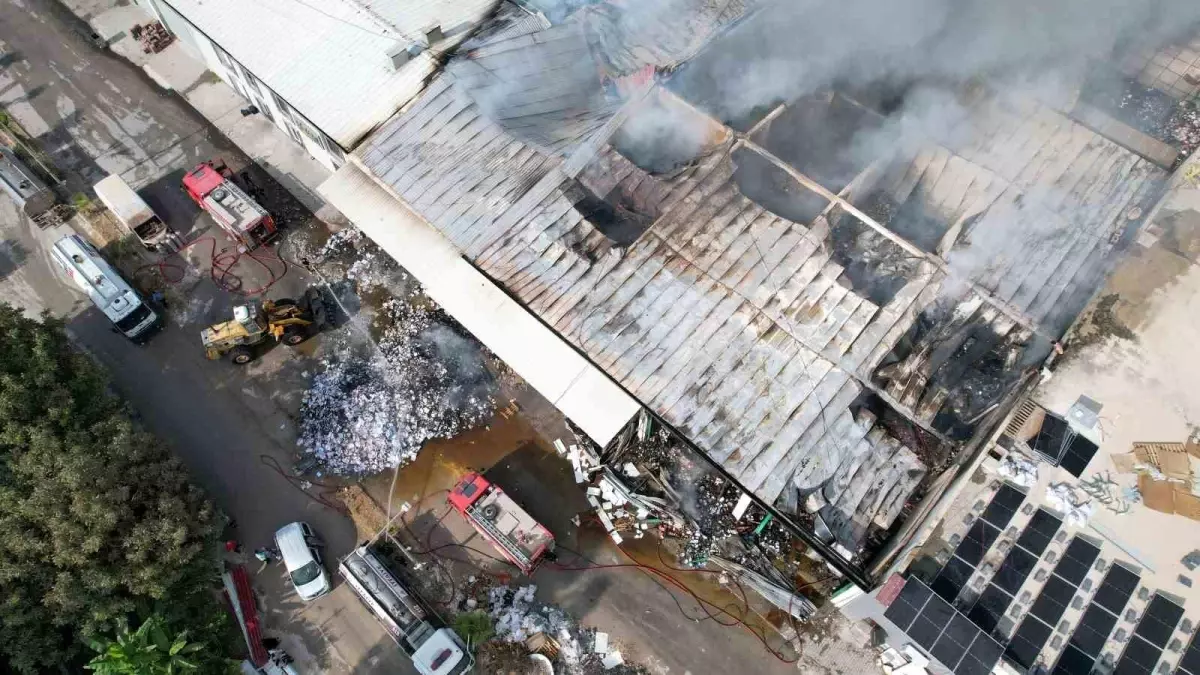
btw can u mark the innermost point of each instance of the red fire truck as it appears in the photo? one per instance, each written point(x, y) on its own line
point(212, 186)
point(523, 540)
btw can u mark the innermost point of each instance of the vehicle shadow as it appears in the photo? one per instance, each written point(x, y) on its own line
point(171, 202)
point(12, 256)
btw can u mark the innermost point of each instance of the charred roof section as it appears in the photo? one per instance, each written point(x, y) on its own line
point(754, 284)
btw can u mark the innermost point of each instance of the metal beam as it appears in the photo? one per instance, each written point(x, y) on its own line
point(937, 261)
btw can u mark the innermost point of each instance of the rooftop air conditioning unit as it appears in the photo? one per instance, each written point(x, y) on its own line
point(402, 53)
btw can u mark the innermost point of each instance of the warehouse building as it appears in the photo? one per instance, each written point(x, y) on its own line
point(840, 333)
point(326, 73)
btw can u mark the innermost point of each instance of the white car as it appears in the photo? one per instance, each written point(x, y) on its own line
point(301, 551)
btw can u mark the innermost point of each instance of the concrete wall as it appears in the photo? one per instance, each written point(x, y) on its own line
point(271, 105)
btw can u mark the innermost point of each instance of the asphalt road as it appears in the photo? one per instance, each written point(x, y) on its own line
point(95, 114)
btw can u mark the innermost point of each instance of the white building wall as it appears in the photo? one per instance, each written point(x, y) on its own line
point(315, 142)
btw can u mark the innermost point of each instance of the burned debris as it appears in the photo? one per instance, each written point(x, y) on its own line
point(372, 408)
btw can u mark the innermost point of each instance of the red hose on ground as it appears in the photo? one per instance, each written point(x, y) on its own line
point(221, 264)
point(704, 604)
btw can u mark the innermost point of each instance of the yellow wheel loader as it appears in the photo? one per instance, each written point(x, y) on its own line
point(253, 325)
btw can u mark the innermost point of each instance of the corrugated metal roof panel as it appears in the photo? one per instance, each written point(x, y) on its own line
point(330, 60)
point(579, 389)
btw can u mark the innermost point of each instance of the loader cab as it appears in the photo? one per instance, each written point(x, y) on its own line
point(249, 318)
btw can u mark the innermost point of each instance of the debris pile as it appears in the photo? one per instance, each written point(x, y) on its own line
point(426, 380)
point(342, 241)
point(519, 618)
point(153, 37)
point(1018, 469)
point(711, 511)
point(619, 508)
point(349, 254)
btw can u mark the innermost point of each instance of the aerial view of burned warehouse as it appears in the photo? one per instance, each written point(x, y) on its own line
point(833, 280)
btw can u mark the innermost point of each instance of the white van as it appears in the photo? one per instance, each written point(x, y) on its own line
point(111, 294)
point(134, 213)
point(301, 551)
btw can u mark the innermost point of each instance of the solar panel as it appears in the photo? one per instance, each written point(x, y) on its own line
point(1153, 633)
point(942, 631)
point(1052, 602)
point(1091, 633)
point(925, 632)
point(979, 538)
point(1159, 621)
point(1004, 506)
point(1040, 532)
point(981, 658)
point(954, 641)
point(1139, 658)
point(1015, 569)
point(1098, 620)
point(907, 605)
point(952, 578)
point(1027, 642)
point(1077, 560)
point(990, 606)
point(1189, 663)
point(1116, 589)
point(1050, 437)
point(1077, 454)
point(1073, 662)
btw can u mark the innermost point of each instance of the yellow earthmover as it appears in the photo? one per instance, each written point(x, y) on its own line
point(253, 324)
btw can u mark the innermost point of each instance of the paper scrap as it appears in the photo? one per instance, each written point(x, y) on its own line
point(612, 660)
point(739, 509)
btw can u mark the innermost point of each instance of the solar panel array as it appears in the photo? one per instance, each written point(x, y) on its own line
point(1052, 602)
point(942, 631)
point(1091, 633)
point(975, 544)
point(1150, 637)
point(1018, 564)
point(1189, 663)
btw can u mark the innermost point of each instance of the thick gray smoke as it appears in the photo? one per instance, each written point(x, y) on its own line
point(794, 47)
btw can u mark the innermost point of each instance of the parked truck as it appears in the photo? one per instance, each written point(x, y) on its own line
point(522, 539)
point(213, 187)
point(135, 215)
point(28, 192)
point(433, 648)
point(106, 288)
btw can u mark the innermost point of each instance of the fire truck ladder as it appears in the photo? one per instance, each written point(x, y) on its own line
point(480, 516)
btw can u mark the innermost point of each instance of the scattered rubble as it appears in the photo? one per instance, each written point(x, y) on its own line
point(1018, 469)
point(364, 414)
point(575, 650)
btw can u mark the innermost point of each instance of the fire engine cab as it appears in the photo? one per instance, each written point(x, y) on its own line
point(211, 185)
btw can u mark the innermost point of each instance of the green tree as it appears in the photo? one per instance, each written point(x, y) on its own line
point(146, 651)
point(474, 627)
point(98, 521)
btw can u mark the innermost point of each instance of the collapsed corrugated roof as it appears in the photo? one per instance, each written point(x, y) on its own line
point(554, 87)
point(756, 335)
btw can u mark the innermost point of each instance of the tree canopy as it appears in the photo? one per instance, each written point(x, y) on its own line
point(149, 650)
point(99, 523)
